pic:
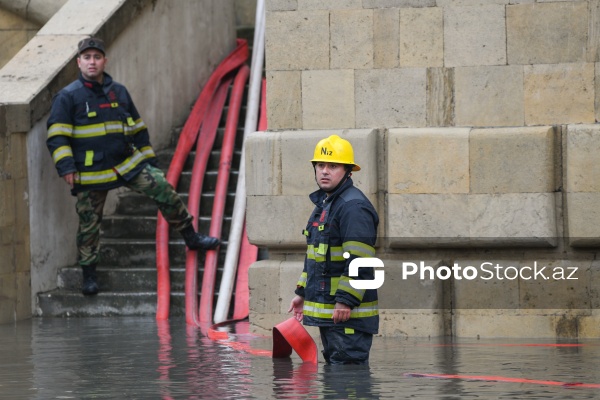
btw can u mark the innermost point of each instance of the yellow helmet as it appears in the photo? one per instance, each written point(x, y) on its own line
point(334, 149)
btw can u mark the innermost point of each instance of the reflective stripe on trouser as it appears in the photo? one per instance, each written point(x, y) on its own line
point(345, 346)
point(151, 182)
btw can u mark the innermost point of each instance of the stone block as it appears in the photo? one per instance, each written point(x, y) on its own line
point(386, 31)
point(351, 40)
point(421, 37)
point(512, 160)
point(263, 164)
point(589, 325)
point(264, 295)
point(581, 158)
point(23, 299)
point(7, 204)
point(475, 220)
point(403, 290)
point(284, 102)
point(474, 35)
point(565, 284)
point(489, 289)
point(397, 3)
point(277, 221)
point(328, 99)
point(417, 220)
point(7, 253)
point(550, 33)
point(489, 96)
point(583, 219)
point(18, 159)
point(411, 323)
point(289, 273)
point(440, 97)
point(297, 40)
point(18, 119)
point(281, 5)
point(513, 219)
point(559, 94)
point(391, 97)
point(8, 300)
point(329, 4)
point(428, 160)
point(487, 324)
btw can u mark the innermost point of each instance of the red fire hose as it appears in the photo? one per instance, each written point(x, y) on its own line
point(204, 147)
point(210, 263)
point(187, 140)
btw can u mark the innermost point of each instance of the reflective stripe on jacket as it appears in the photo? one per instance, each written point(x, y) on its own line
point(95, 131)
point(342, 227)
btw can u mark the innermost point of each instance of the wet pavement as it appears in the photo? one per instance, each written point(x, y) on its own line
point(137, 358)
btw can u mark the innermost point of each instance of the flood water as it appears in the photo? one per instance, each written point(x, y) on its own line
point(137, 358)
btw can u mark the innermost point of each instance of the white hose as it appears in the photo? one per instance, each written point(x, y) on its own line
point(239, 208)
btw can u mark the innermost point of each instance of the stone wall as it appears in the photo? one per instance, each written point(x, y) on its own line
point(474, 122)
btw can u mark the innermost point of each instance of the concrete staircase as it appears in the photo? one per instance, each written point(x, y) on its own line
point(127, 269)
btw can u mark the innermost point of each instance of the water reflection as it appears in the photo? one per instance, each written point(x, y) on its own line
point(140, 358)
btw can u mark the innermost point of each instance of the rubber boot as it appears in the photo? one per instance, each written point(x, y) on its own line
point(197, 241)
point(89, 286)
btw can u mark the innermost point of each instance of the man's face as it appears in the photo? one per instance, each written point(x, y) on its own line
point(329, 175)
point(91, 64)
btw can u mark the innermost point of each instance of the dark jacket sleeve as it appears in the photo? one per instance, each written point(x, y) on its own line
point(358, 227)
point(60, 130)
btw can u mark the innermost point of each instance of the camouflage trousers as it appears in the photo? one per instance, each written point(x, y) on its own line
point(151, 182)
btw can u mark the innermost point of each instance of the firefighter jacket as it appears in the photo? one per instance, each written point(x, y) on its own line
point(341, 228)
point(95, 131)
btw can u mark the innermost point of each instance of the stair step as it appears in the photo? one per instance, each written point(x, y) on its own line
point(209, 183)
point(137, 253)
point(142, 227)
point(127, 279)
point(123, 253)
point(66, 303)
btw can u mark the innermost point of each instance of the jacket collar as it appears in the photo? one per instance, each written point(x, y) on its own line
point(106, 81)
point(320, 197)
